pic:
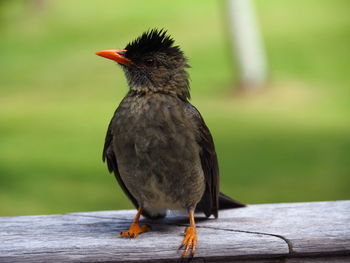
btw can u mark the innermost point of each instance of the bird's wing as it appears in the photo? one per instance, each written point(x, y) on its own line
point(212, 199)
point(209, 203)
point(110, 157)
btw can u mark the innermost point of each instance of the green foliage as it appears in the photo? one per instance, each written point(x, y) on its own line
point(290, 143)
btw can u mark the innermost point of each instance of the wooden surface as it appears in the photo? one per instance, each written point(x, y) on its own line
point(291, 232)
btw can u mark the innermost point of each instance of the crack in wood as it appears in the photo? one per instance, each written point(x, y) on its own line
point(286, 240)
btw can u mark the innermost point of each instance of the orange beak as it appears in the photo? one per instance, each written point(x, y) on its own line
point(116, 55)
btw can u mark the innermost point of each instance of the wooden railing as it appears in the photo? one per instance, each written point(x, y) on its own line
point(287, 232)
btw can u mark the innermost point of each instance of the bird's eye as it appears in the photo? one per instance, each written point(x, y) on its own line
point(149, 62)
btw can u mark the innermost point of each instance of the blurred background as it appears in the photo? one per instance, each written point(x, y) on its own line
point(289, 142)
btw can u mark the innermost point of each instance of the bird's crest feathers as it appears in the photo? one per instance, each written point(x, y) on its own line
point(152, 41)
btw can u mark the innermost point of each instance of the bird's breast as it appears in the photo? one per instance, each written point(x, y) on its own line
point(158, 155)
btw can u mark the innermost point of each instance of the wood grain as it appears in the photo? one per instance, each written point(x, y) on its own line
point(291, 232)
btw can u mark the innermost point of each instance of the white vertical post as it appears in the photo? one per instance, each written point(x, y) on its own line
point(247, 44)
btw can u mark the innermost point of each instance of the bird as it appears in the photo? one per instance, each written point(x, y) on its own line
point(157, 143)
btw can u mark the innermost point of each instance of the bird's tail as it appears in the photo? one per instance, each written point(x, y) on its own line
point(226, 202)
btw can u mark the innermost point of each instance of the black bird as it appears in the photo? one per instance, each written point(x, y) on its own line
point(157, 143)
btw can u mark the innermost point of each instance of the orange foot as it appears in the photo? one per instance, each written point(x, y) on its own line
point(134, 231)
point(190, 241)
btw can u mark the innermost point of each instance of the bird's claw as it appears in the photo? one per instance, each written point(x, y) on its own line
point(189, 242)
point(134, 231)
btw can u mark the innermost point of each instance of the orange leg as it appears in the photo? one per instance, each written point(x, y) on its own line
point(135, 229)
point(190, 240)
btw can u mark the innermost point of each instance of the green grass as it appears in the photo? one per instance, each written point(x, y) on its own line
point(290, 143)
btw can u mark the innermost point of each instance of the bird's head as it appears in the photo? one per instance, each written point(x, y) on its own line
point(152, 63)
